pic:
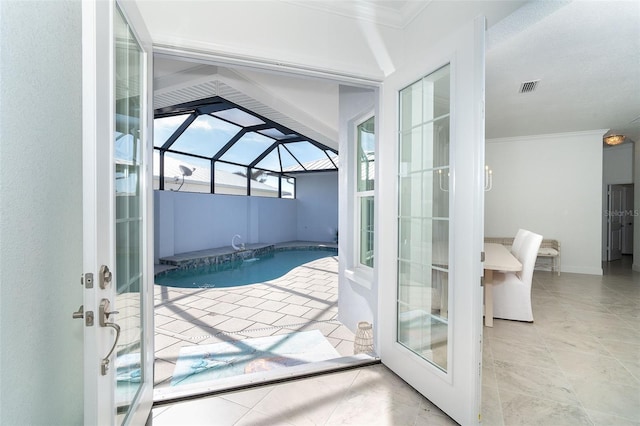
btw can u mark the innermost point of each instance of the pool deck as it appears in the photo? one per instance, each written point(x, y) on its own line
point(304, 299)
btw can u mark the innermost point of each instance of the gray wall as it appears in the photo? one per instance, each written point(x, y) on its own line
point(317, 196)
point(41, 213)
point(186, 221)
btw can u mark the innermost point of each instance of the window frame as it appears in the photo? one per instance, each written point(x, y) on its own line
point(359, 196)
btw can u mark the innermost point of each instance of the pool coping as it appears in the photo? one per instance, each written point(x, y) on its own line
point(221, 255)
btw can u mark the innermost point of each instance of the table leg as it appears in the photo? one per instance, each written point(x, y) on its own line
point(488, 297)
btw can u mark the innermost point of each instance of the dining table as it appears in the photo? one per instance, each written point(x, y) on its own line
point(496, 258)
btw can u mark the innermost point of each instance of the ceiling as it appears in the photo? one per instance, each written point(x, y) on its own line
point(178, 82)
point(392, 13)
point(586, 56)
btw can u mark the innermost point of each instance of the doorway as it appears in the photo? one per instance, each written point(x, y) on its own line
point(620, 216)
point(269, 310)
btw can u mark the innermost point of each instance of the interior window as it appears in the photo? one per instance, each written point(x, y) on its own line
point(365, 183)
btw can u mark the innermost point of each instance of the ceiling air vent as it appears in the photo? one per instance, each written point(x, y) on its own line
point(529, 86)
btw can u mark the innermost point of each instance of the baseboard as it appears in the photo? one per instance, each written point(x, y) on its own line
point(581, 270)
point(636, 267)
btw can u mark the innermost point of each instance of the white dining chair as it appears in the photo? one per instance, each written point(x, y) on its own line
point(518, 241)
point(512, 290)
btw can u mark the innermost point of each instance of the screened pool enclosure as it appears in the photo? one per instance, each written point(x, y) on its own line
point(216, 146)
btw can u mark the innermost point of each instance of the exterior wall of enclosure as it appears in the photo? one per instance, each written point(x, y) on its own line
point(187, 222)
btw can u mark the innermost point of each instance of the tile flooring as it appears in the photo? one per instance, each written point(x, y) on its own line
point(304, 299)
point(577, 364)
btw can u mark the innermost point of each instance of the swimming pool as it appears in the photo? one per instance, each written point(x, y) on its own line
point(243, 272)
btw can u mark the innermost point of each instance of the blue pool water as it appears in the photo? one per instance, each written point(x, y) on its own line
point(244, 272)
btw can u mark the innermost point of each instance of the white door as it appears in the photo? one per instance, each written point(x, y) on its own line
point(431, 310)
point(117, 202)
point(627, 219)
point(614, 223)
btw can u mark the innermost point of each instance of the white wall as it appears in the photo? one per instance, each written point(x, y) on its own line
point(552, 185)
point(617, 168)
point(41, 213)
point(317, 200)
point(358, 288)
point(187, 221)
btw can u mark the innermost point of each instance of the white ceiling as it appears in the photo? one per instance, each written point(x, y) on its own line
point(392, 13)
point(586, 55)
point(177, 82)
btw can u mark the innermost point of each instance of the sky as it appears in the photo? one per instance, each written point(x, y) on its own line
point(208, 134)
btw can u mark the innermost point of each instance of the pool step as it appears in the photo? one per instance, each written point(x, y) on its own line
point(216, 256)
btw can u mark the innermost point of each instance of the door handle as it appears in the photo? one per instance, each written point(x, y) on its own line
point(104, 317)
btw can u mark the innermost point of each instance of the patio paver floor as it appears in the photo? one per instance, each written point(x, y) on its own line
point(304, 299)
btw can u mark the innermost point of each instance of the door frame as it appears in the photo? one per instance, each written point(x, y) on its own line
point(613, 217)
point(628, 222)
point(228, 60)
point(98, 93)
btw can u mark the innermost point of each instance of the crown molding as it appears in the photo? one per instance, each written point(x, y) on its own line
point(597, 132)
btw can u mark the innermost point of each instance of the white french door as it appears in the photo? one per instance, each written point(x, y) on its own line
point(614, 222)
point(117, 203)
point(430, 314)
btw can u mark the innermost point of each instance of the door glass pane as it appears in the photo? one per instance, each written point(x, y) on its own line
point(128, 149)
point(423, 222)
